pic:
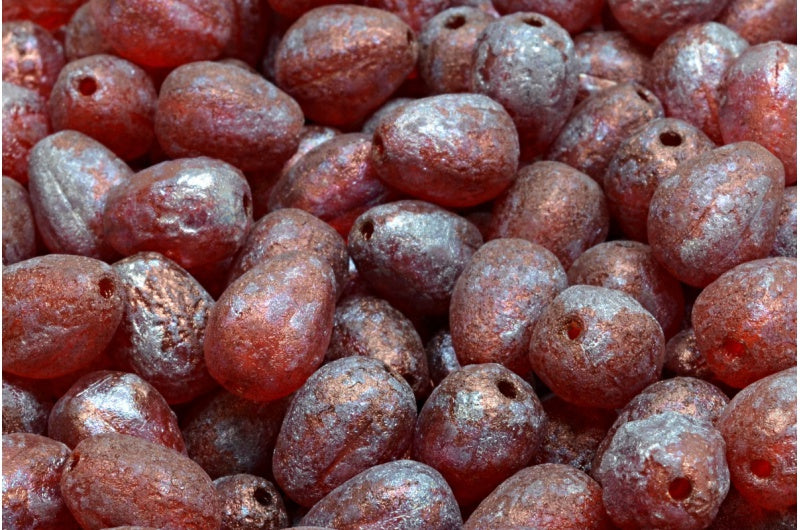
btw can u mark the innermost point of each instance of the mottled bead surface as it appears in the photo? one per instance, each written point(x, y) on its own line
point(108, 98)
point(165, 33)
point(81, 36)
point(651, 23)
point(160, 337)
point(251, 24)
point(32, 468)
point(50, 14)
point(480, 425)
point(455, 150)
point(25, 122)
point(262, 183)
point(32, 57)
point(352, 414)
point(415, 13)
point(606, 58)
point(630, 267)
point(115, 479)
point(736, 512)
point(203, 219)
point(641, 162)
point(598, 125)
point(497, 299)
point(114, 402)
point(19, 230)
point(717, 210)
point(526, 62)
point(71, 176)
point(59, 314)
point(761, 21)
point(342, 62)
point(683, 358)
point(228, 435)
point(371, 327)
point(288, 230)
point(786, 239)
point(572, 16)
point(384, 110)
point(553, 205)
point(446, 43)
point(336, 181)
point(250, 503)
point(547, 496)
point(596, 347)
point(686, 73)
point(402, 495)
point(412, 252)
point(684, 395)
point(571, 433)
point(667, 470)
point(225, 112)
point(442, 358)
point(759, 101)
point(760, 426)
point(25, 407)
point(745, 321)
point(269, 330)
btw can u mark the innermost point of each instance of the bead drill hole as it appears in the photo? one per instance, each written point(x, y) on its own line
point(680, 488)
point(507, 388)
point(263, 497)
point(87, 86)
point(455, 22)
point(643, 95)
point(410, 37)
point(573, 329)
point(761, 468)
point(535, 22)
point(670, 139)
point(367, 229)
point(733, 347)
point(106, 287)
point(246, 203)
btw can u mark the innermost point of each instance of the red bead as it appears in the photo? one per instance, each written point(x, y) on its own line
point(454, 150)
point(342, 62)
point(204, 218)
point(745, 321)
point(32, 57)
point(498, 298)
point(225, 112)
point(32, 469)
point(336, 181)
point(19, 231)
point(544, 496)
point(553, 205)
point(115, 479)
point(352, 414)
point(71, 176)
point(165, 33)
point(160, 337)
point(526, 62)
point(596, 347)
point(114, 402)
point(25, 122)
point(109, 99)
point(760, 426)
point(717, 210)
point(269, 330)
point(478, 427)
point(59, 314)
point(760, 102)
